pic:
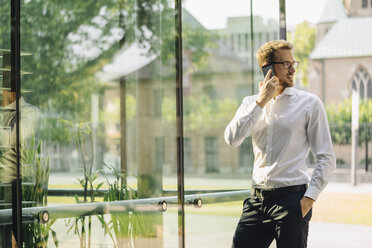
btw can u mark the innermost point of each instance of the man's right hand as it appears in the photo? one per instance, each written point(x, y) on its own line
point(268, 89)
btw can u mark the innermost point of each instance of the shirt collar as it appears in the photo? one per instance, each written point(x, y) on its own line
point(289, 91)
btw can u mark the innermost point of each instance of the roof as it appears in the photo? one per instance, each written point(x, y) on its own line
point(136, 56)
point(190, 20)
point(333, 11)
point(126, 61)
point(351, 37)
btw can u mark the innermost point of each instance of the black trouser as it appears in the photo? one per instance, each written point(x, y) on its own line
point(276, 215)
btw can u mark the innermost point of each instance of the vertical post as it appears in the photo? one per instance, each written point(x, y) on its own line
point(16, 84)
point(179, 103)
point(252, 48)
point(366, 134)
point(94, 119)
point(282, 21)
point(6, 230)
point(123, 115)
point(354, 135)
point(323, 81)
point(123, 131)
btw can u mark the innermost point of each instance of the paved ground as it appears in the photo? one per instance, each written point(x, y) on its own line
point(209, 231)
point(361, 188)
point(325, 235)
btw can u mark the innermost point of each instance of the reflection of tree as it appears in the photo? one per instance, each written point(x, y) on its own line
point(62, 63)
point(201, 113)
point(304, 42)
point(71, 40)
point(112, 116)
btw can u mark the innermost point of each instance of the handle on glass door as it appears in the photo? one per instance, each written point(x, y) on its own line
point(163, 206)
point(43, 216)
point(198, 203)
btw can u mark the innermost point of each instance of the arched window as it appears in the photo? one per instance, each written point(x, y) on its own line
point(362, 82)
point(364, 3)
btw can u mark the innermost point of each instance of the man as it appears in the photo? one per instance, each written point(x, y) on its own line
point(284, 123)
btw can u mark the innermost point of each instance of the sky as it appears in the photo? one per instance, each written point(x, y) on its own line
point(213, 13)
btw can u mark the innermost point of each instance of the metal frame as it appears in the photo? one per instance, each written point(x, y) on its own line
point(252, 47)
point(16, 85)
point(179, 107)
point(282, 21)
point(63, 192)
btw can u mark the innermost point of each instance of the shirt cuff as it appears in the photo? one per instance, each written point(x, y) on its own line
point(312, 192)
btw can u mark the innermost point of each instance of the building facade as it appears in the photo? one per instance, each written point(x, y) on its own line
point(341, 62)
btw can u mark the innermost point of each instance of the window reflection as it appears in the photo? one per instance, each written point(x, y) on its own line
point(101, 74)
point(29, 128)
point(104, 72)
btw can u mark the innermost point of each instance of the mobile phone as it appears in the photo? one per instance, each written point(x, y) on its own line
point(266, 68)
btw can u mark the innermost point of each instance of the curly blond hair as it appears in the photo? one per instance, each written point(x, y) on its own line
point(266, 52)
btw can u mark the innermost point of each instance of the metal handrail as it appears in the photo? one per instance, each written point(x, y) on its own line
point(72, 192)
point(64, 192)
point(97, 208)
point(228, 196)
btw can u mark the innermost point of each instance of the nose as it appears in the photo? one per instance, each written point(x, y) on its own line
point(292, 69)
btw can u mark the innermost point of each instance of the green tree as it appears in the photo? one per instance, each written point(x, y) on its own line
point(70, 41)
point(304, 42)
point(201, 113)
point(339, 117)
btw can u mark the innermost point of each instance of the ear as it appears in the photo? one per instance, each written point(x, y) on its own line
point(264, 64)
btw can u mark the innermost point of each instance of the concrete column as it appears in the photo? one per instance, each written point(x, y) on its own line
point(354, 136)
point(149, 179)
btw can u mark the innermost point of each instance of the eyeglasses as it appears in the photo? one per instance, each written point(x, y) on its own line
point(288, 64)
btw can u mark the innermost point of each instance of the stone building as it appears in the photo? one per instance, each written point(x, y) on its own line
point(342, 58)
point(225, 79)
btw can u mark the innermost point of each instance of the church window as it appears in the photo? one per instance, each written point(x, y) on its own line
point(362, 83)
point(364, 3)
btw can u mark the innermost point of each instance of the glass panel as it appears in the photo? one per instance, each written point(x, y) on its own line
point(211, 154)
point(98, 111)
point(246, 157)
point(364, 3)
point(218, 64)
point(7, 131)
point(361, 89)
point(354, 87)
point(369, 89)
point(188, 155)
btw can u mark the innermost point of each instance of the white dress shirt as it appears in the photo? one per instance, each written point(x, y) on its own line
point(283, 132)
